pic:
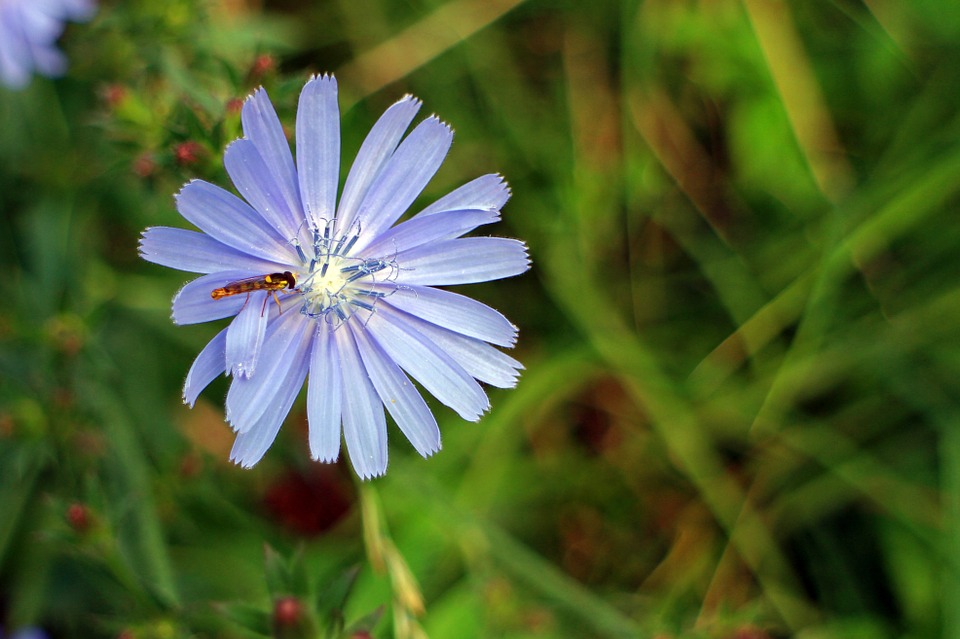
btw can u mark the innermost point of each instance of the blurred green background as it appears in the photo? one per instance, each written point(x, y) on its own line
point(741, 333)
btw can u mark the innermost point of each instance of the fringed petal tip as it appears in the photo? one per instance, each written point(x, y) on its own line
point(510, 383)
point(230, 145)
point(141, 253)
point(409, 97)
point(244, 462)
point(511, 341)
point(508, 192)
point(367, 475)
point(321, 77)
point(526, 255)
point(477, 416)
point(427, 454)
point(255, 95)
point(179, 194)
point(173, 305)
point(325, 459)
point(433, 117)
point(176, 196)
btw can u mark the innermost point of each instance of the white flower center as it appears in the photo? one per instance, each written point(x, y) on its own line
point(335, 285)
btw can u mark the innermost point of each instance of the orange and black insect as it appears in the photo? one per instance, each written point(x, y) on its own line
point(272, 282)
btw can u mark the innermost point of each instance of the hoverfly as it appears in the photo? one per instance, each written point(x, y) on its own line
point(272, 282)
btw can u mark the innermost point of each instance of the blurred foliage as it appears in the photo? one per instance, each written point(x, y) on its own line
point(739, 417)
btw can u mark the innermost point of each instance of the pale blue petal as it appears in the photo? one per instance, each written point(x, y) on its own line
point(48, 60)
point(193, 304)
point(245, 335)
point(416, 232)
point(252, 444)
point(376, 149)
point(79, 10)
point(285, 345)
point(41, 27)
point(225, 217)
point(478, 358)
point(458, 313)
point(39, 33)
point(318, 149)
point(262, 127)
point(399, 395)
point(463, 261)
point(364, 425)
point(403, 178)
point(324, 397)
point(16, 60)
point(424, 361)
point(489, 192)
point(255, 182)
point(209, 364)
point(28, 33)
point(197, 252)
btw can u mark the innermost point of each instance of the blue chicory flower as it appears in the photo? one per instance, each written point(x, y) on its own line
point(28, 36)
point(340, 290)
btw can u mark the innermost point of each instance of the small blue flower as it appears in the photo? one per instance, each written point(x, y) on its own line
point(340, 290)
point(28, 36)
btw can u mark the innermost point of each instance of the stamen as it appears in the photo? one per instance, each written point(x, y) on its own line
point(364, 305)
point(334, 286)
point(300, 253)
point(356, 276)
point(353, 240)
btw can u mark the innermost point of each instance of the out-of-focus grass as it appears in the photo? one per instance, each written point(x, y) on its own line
point(740, 332)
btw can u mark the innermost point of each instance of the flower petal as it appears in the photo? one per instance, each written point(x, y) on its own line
point(364, 425)
point(193, 304)
point(208, 365)
point(37, 27)
point(258, 185)
point(197, 252)
point(424, 361)
point(262, 127)
point(489, 192)
point(251, 444)
point(318, 149)
point(463, 261)
point(376, 149)
point(399, 395)
point(425, 230)
point(30, 34)
point(287, 343)
point(324, 397)
point(479, 359)
point(78, 10)
point(403, 178)
point(245, 335)
point(225, 217)
point(455, 312)
point(16, 60)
